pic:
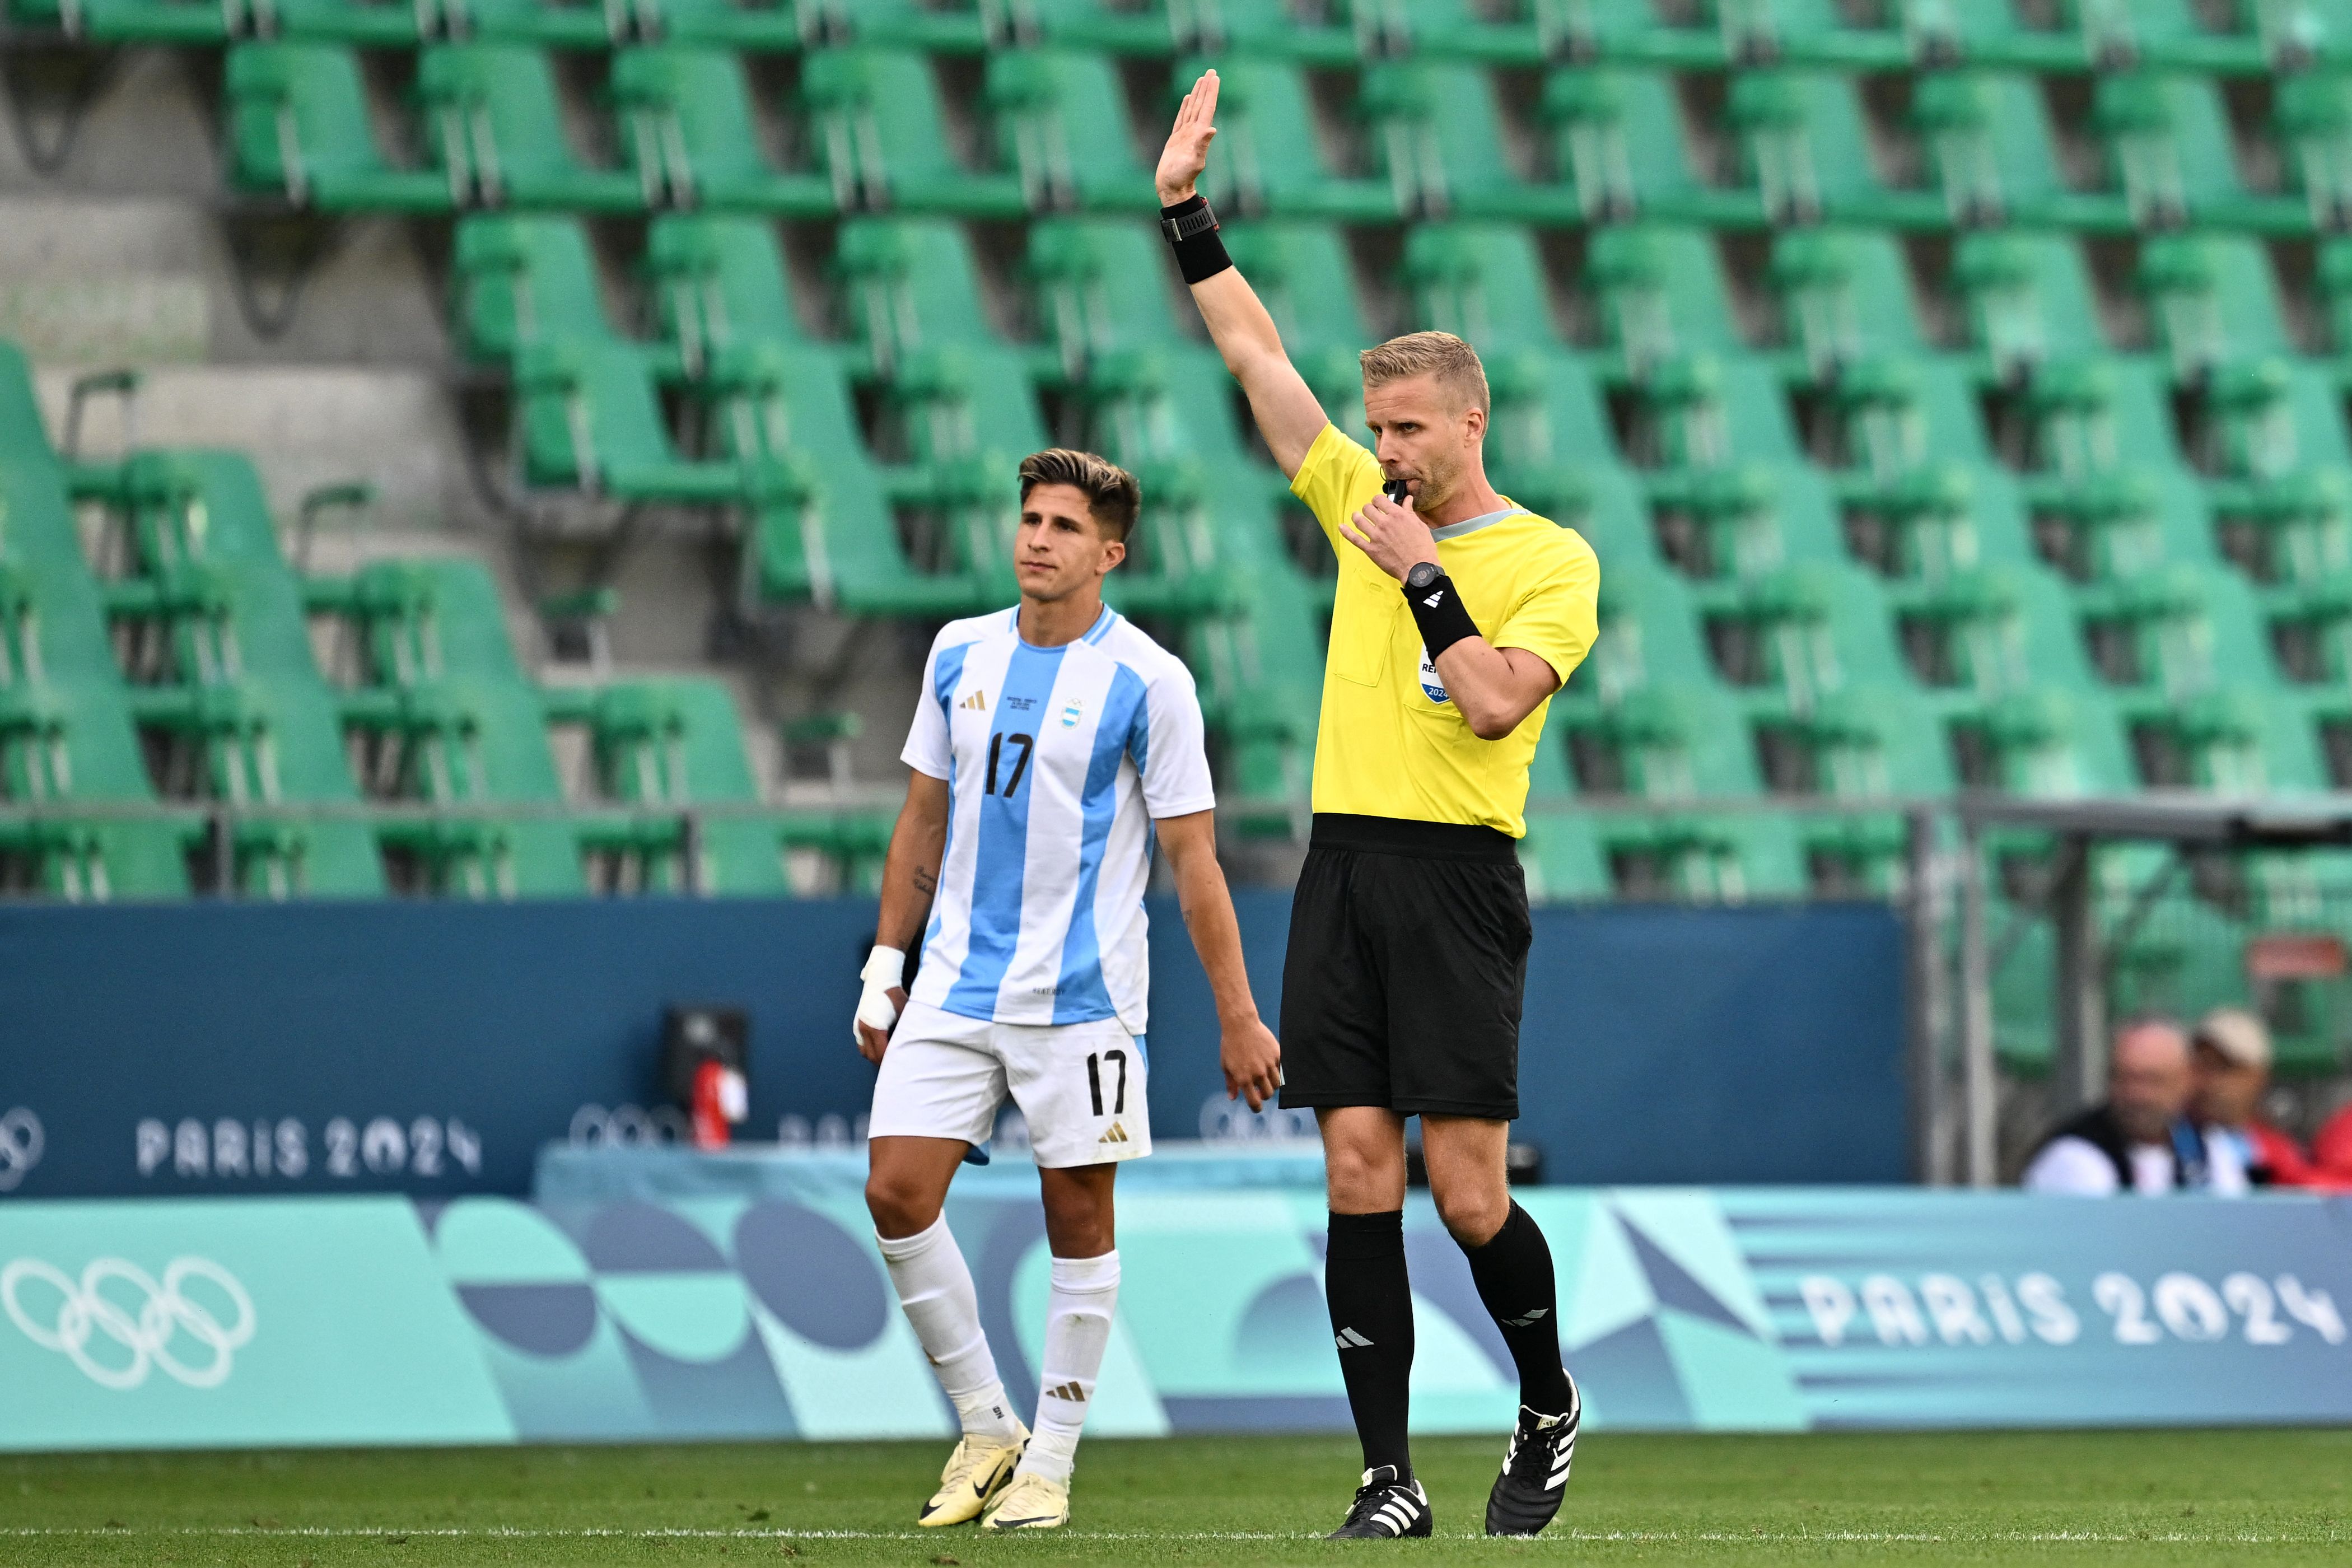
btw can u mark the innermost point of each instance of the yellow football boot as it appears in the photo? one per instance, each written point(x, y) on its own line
point(976, 1473)
point(1030, 1502)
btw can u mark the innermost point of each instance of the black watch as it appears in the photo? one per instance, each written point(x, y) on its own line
point(1423, 574)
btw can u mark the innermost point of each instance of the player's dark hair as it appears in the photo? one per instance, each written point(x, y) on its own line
point(1112, 494)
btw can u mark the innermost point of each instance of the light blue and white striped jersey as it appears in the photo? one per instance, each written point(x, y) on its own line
point(1057, 759)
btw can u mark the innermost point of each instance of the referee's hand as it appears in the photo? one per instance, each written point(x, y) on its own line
point(1252, 1058)
point(1393, 535)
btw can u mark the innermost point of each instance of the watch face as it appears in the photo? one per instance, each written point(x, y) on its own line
point(1421, 575)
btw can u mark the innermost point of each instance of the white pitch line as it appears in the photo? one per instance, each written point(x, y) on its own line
point(591, 1532)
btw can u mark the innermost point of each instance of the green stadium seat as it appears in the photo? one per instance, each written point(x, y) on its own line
point(2051, 742)
point(1102, 286)
point(2169, 152)
point(493, 121)
point(2213, 300)
point(1143, 27)
point(366, 24)
point(931, 27)
point(167, 22)
point(419, 621)
point(1993, 631)
point(676, 743)
point(2314, 119)
point(1268, 158)
point(519, 281)
point(1482, 281)
point(1845, 296)
point(1992, 152)
point(1803, 632)
point(1265, 29)
point(587, 419)
point(771, 27)
point(1438, 131)
point(878, 115)
point(1302, 272)
point(1066, 117)
point(1632, 32)
point(688, 112)
point(1813, 33)
point(1746, 521)
point(1702, 411)
point(822, 526)
point(1990, 33)
point(2172, 34)
point(716, 281)
point(2028, 297)
point(1662, 741)
point(2177, 631)
point(1509, 34)
point(544, 24)
point(1807, 153)
point(298, 128)
point(1619, 150)
point(1940, 519)
point(910, 283)
point(1661, 291)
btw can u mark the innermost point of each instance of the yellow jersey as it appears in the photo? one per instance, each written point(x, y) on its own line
point(1390, 743)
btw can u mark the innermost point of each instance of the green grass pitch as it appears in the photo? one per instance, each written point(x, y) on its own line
point(2267, 1496)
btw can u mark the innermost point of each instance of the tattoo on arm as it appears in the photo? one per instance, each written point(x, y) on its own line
point(925, 883)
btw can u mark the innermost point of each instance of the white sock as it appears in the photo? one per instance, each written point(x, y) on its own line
point(1077, 1328)
point(935, 1288)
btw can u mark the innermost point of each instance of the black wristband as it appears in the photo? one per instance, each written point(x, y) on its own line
point(1192, 230)
point(1437, 610)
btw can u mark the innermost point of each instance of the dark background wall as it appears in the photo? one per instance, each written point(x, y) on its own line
point(433, 1048)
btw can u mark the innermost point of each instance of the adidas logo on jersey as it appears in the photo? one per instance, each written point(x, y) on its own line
point(1117, 1134)
point(977, 702)
point(1069, 1391)
point(1350, 1340)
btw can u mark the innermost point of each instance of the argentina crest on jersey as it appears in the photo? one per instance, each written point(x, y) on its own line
point(1431, 685)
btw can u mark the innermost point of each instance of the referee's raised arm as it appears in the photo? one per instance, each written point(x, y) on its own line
point(1287, 414)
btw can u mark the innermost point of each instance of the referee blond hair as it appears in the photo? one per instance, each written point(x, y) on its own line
point(1457, 615)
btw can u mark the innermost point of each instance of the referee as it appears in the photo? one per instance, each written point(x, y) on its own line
point(1457, 615)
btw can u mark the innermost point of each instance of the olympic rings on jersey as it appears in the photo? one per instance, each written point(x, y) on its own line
point(21, 1142)
point(84, 1310)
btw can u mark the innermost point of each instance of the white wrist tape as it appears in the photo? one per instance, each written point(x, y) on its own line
point(885, 967)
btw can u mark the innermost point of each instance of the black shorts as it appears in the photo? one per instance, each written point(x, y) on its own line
point(1408, 960)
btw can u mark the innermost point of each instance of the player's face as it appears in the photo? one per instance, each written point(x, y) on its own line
point(1420, 436)
point(1059, 548)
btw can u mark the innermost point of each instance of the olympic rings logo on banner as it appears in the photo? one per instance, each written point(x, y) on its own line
point(20, 1146)
point(84, 1312)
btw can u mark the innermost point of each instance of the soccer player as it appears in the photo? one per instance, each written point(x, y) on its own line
point(1457, 615)
point(1051, 740)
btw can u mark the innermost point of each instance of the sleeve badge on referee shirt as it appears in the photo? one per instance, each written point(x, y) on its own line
point(1430, 683)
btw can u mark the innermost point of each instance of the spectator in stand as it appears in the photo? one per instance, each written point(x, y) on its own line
point(2140, 1139)
point(2331, 1152)
point(2231, 1073)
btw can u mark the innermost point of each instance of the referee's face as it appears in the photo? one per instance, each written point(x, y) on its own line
point(1060, 548)
point(1420, 436)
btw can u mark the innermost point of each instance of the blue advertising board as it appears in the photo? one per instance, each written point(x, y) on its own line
point(197, 1050)
point(226, 1323)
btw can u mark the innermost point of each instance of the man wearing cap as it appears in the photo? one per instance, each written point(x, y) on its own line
point(2232, 1072)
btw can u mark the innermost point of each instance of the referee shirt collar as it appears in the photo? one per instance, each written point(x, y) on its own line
point(1473, 524)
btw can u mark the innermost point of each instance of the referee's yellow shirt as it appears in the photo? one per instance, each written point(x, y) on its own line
point(1390, 743)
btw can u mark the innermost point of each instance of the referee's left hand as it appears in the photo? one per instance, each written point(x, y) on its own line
point(1252, 1058)
point(1393, 535)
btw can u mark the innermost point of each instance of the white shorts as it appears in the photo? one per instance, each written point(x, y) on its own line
point(1079, 1086)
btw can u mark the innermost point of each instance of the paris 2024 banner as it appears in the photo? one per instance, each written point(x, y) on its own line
point(365, 1321)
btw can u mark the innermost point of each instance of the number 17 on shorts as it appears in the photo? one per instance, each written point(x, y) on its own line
point(1080, 1087)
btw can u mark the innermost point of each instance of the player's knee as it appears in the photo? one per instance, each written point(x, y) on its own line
point(1472, 1213)
point(1363, 1180)
point(900, 1206)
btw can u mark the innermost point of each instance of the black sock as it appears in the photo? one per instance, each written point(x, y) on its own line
point(1513, 1271)
point(1371, 1323)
